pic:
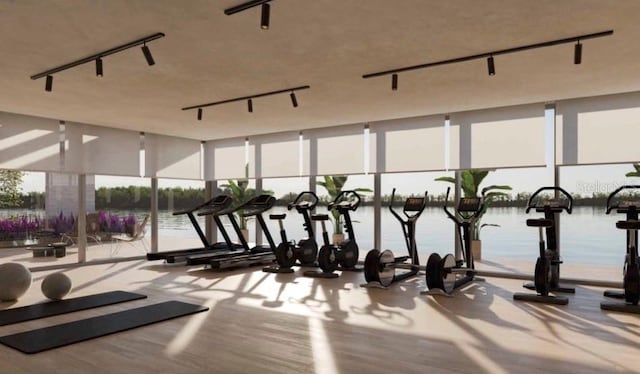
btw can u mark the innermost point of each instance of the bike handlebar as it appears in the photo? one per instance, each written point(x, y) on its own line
point(342, 196)
point(314, 200)
point(531, 205)
point(617, 191)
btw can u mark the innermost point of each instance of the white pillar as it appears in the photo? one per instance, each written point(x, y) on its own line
point(154, 215)
point(82, 218)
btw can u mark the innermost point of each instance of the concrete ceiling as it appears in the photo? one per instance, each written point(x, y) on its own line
point(328, 44)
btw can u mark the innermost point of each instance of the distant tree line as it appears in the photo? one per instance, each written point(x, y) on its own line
point(133, 197)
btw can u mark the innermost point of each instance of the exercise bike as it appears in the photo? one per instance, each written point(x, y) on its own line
point(547, 272)
point(345, 255)
point(306, 250)
point(631, 279)
point(445, 274)
point(380, 266)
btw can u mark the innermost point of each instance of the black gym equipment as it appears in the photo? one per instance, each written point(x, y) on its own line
point(217, 206)
point(380, 266)
point(46, 338)
point(547, 272)
point(344, 256)
point(55, 308)
point(305, 251)
point(445, 274)
point(631, 280)
point(258, 255)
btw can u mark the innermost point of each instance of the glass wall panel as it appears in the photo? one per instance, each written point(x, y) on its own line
point(118, 222)
point(177, 231)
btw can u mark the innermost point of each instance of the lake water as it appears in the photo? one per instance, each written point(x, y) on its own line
point(587, 236)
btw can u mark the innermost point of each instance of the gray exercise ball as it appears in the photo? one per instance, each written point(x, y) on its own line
point(15, 280)
point(56, 286)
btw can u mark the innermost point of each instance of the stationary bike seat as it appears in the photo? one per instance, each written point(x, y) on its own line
point(628, 225)
point(320, 217)
point(277, 216)
point(539, 222)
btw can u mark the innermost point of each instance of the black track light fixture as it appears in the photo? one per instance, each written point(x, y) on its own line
point(48, 85)
point(147, 55)
point(264, 15)
point(577, 57)
point(97, 58)
point(394, 82)
point(199, 114)
point(491, 66)
point(249, 99)
point(264, 18)
point(99, 72)
point(577, 53)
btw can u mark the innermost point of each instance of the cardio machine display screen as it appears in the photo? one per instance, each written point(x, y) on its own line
point(469, 204)
point(262, 199)
point(413, 204)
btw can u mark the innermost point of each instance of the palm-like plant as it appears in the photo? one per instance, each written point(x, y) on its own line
point(635, 173)
point(240, 194)
point(334, 184)
point(470, 181)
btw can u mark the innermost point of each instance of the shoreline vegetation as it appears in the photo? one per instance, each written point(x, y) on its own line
point(138, 198)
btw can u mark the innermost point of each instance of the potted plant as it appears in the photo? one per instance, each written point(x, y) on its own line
point(333, 185)
point(470, 181)
point(240, 194)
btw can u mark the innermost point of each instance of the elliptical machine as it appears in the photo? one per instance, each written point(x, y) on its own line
point(344, 256)
point(547, 271)
point(631, 280)
point(445, 274)
point(380, 266)
point(306, 250)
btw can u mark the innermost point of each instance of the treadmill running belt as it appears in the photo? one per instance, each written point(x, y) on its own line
point(43, 339)
point(54, 308)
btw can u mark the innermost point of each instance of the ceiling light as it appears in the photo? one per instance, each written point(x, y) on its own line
point(199, 114)
point(99, 67)
point(491, 66)
point(49, 83)
point(577, 54)
point(147, 55)
point(394, 82)
point(97, 58)
point(264, 19)
point(249, 98)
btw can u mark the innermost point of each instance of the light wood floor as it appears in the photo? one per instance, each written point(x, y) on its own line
point(266, 323)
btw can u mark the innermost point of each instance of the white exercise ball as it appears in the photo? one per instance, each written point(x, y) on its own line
point(56, 286)
point(15, 280)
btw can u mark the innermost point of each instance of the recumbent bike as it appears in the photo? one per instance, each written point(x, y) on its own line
point(631, 279)
point(547, 272)
point(380, 266)
point(305, 251)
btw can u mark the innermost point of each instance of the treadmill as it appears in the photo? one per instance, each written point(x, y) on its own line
point(218, 203)
point(258, 255)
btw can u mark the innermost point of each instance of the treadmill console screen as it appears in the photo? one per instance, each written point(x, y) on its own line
point(469, 204)
point(221, 200)
point(262, 199)
point(414, 204)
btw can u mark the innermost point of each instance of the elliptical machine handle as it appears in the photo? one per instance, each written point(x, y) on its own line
point(446, 210)
point(393, 195)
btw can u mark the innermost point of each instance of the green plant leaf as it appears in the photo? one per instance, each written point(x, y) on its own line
point(446, 179)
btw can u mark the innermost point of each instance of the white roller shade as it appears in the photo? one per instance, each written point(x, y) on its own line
point(29, 143)
point(409, 144)
point(101, 150)
point(277, 155)
point(598, 130)
point(498, 138)
point(171, 157)
point(229, 158)
point(339, 150)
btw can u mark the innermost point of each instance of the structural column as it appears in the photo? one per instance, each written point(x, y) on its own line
point(82, 218)
point(154, 215)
